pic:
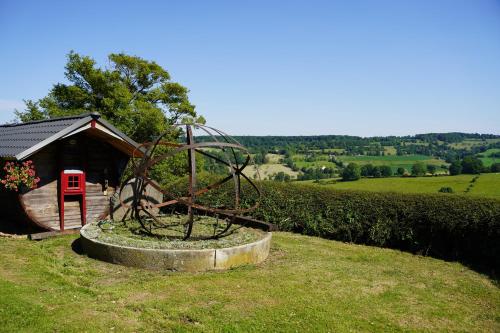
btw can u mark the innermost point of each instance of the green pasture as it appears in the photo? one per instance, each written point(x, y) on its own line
point(487, 159)
point(394, 161)
point(390, 150)
point(469, 143)
point(321, 160)
point(307, 284)
point(487, 185)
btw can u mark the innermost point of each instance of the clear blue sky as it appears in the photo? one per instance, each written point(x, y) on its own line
point(285, 68)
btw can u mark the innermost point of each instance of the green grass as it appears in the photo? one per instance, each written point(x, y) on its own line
point(487, 185)
point(307, 285)
point(267, 170)
point(469, 143)
point(394, 161)
point(487, 159)
point(390, 150)
point(171, 233)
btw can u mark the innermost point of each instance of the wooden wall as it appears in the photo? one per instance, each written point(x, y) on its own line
point(99, 160)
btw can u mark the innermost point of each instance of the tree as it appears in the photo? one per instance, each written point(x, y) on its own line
point(495, 167)
point(418, 169)
point(376, 173)
point(134, 94)
point(367, 170)
point(431, 169)
point(351, 172)
point(455, 168)
point(386, 171)
point(472, 164)
point(282, 177)
point(401, 171)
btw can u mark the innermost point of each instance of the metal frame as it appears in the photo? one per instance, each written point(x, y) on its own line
point(141, 207)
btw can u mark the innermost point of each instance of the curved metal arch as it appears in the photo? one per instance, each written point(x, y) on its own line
point(141, 207)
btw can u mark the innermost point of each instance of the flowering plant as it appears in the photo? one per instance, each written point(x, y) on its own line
point(19, 174)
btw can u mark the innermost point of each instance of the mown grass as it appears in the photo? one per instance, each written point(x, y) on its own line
point(487, 185)
point(306, 285)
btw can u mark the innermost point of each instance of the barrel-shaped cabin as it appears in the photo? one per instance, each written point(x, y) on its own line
point(79, 161)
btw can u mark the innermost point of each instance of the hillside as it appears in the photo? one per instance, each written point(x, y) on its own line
point(307, 284)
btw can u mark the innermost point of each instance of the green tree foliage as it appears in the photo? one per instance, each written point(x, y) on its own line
point(351, 172)
point(367, 170)
point(446, 226)
point(495, 167)
point(455, 168)
point(134, 94)
point(431, 169)
point(472, 165)
point(282, 177)
point(401, 171)
point(418, 169)
point(385, 171)
point(376, 172)
point(260, 157)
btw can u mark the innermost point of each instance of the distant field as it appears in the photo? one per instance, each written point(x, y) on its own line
point(329, 150)
point(394, 161)
point(390, 150)
point(487, 185)
point(322, 161)
point(468, 143)
point(267, 170)
point(274, 158)
point(487, 160)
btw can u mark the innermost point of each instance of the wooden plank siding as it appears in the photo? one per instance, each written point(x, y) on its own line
point(99, 160)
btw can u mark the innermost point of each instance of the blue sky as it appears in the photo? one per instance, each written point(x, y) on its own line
point(279, 67)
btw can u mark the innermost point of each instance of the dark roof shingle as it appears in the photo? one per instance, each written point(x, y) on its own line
point(16, 138)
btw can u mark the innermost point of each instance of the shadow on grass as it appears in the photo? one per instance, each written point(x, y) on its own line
point(76, 246)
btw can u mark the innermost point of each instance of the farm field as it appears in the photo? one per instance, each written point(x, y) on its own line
point(469, 143)
point(394, 161)
point(267, 170)
point(487, 185)
point(489, 160)
point(307, 284)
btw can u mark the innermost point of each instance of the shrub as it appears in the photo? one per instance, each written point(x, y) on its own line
point(455, 168)
point(431, 169)
point(495, 167)
point(385, 171)
point(418, 169)
point(472, 164)
point(351, 172)
point(449, 227)
point(446, 189)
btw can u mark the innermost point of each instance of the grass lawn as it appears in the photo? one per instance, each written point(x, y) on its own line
point(487, 185)
point(307, 285)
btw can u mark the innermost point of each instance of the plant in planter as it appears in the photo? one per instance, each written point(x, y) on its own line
point(19, 176)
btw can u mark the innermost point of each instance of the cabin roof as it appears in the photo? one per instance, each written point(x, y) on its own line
point(19, 141)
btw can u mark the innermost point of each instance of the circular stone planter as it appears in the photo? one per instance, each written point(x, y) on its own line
point(184, 260)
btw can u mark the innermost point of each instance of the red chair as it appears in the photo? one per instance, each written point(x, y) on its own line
point(72, 184)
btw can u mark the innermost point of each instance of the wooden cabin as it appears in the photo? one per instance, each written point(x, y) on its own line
point(79, 159)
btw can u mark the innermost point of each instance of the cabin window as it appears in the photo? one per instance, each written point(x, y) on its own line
point(73, 182)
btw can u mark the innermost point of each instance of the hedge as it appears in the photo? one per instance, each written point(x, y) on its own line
point(451, 227)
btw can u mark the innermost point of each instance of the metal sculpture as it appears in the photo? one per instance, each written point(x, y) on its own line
point(142, 208)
